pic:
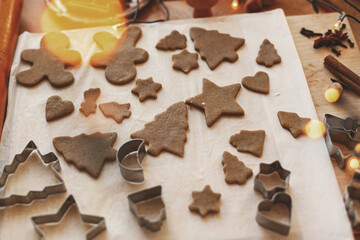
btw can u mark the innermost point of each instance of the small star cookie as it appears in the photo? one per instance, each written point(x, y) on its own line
point(146, 88)
point(205, 201)
point(185, 61)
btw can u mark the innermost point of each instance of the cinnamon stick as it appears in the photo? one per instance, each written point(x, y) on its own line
point(342, 69)
point(349, 82)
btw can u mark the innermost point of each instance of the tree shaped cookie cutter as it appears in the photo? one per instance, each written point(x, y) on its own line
point(267, 169)
point(343, 131)
point(134, 175)
point(32, 195)
point(143, 196)
point(53, 218)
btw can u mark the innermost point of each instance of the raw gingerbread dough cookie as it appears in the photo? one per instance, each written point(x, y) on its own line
point(259, 83)
point(173, 41)
point(115, 110)
point(57, 108)
point(89, 105)
point(205, 201)
point(49, 62)
point(235, 170)
point(215, 47)
point(292, 122)
point(267, 54)
point(167, 131)
point(87, 152)
point(119, 56)
point(249, 141)
point(146, 89)
point(185, 61)
point(216, 101)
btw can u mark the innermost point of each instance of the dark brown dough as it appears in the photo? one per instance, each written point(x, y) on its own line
point(205, 201)
point(249, 141)
point(173, 41)
point(185, 61)
point(57, 108)
point(267, 54)
point(235, 170)
point(259, 83)
point(292, 122)
point(146, 89)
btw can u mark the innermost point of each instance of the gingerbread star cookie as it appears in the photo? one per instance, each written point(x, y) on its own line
point(215, 47)
point(216, 101)
point(185, 61)
point(49, 62)
point(235, 170)
point(146, 89)
point(205, 201)
point(267, 54)
point(119, 56)
point(89, 105)
point(167, 132)
point(249, 141)
point(292, 122)
point(259, 83)
point(87, 152)
point(57, 108)
point(115, 110)
point(173, 41)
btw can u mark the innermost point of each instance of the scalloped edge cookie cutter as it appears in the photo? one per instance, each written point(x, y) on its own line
point(133, 175)
point(271, 224)
point(142, 196)
point(32, 195)
point(351, 193)
point(53, 218)
point(267, 169)
point(341, 131)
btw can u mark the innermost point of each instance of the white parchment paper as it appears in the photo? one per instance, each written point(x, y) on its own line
point(318, 210)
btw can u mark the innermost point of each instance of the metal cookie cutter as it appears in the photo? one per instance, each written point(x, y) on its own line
point(135, 175)
point(53, 218)
point(32, 195)
point(143, 197)
point(269, 223)
point(343, 131)
point(351, 194)
point(267, 169)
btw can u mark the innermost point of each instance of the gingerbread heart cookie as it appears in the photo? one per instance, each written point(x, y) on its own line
point(259, 83)
point(57, 108)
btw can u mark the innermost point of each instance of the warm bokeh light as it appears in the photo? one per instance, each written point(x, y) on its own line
point(332, 95)
point(315, 129)
point(235, 4)
point(354, 163)
point(357, 148)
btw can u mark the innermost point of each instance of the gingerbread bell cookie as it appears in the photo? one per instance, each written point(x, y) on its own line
point(292, 122)
point(235, 170)
point(185, 61)
point(249, 141)
point(216, 101)
point(215, 47)
point(259, 83)
point(49, 62)
point(146, 88)
point(173, 41)
point(115, 110)
point(119, 56)
point(89, 105)
point(167, 132)
point(268, 54)
point(205, 201)
point(57, 108)
point(87, 152)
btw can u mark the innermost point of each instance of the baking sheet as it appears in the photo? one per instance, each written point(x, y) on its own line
point(318, 210)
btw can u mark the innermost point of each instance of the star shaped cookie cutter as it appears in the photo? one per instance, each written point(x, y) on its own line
point(267, 169)
point(343, 131)
point(144, 196)
point(32, 195)
point(132, 174)
point(53, 218)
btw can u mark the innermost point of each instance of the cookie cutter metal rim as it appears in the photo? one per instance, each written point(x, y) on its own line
point(267, 169)
point(145, 195)
point(352, 193)
point(32, 195)
point(273, 225)
point(53, 218)
point(133, 175)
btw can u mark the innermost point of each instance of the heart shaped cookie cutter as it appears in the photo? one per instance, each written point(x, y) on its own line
point(269, 223)
point(132, 174)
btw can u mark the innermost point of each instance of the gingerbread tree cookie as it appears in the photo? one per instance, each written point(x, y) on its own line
point(205, 201)
point(216, 101)
point(292, 122)
point(185, 61)
point(167, 131)
point(146, 89)
point(57, 108)
point(249, 141)
point(173, 41)
point(89, 105)
point(49, 62)
point(115, 110)
point(119, 56)
point(267, 54)
point(235, 170)
point(215, 47)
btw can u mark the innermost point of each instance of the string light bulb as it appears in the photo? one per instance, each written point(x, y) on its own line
point(235, 4)
point(354, 163)
point(338, 24)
